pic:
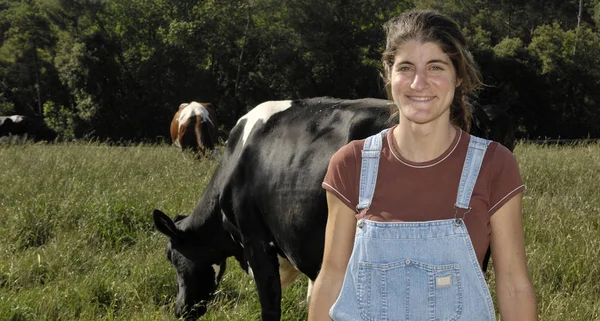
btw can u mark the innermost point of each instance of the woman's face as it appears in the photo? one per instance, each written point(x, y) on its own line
point(423, 81)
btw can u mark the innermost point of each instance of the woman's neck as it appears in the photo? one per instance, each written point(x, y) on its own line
point(423, 142)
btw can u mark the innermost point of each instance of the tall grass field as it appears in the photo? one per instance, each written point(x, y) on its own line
point(77, 241)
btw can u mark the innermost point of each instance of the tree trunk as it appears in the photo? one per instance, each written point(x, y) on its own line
point(37, 82)
point(239, 67)
point(578, 24)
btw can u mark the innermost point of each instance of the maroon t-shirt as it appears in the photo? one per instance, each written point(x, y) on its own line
point(408, 191)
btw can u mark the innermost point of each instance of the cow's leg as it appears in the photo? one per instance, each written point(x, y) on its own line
point(262, 259)
point(486, 260)
point(309, 291)
point(199, 144)
point(287, 272)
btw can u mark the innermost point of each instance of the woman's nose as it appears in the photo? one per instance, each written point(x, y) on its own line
point(419, 81)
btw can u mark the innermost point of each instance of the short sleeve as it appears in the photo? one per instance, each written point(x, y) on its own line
point(341, 177)
point(505, 178)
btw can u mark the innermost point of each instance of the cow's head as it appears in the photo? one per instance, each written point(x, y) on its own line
point(199, 261)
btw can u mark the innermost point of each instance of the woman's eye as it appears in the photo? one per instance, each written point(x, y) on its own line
point(404, 68)
point(436, 68)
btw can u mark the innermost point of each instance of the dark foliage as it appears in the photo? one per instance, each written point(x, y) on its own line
point(117, 70)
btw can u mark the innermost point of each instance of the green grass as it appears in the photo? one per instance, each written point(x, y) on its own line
point(78, 241)
point(562, 226)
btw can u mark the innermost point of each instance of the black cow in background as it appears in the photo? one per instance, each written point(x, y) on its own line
point(264, 204)
point(26, 127)
point(502, 128)
point(493, 122)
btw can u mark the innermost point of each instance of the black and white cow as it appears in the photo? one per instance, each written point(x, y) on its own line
point(264, 204)
point(27, 127)
point(265, 199)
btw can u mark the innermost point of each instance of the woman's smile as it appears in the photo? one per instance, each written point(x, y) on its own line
point(421, 99)
point(423, 82)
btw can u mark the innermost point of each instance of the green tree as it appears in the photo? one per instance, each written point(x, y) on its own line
point(571, 78)
point(118, 69)
point(509, 47)
point(26, 55)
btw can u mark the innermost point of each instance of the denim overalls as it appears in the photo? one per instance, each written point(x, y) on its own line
point(414, 270)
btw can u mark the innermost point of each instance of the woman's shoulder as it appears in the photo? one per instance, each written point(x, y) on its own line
point(500, 155)
point(498, 161)
point(496, 152)
point(350, 150)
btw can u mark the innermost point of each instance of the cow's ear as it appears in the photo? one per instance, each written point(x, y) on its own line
point(164, 224)
point(179, 217)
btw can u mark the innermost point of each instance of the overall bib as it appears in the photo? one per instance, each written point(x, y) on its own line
point(414, 270)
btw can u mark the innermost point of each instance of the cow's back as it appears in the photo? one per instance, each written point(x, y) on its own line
point(282, 162)
point(194, 126)
point(30, 127)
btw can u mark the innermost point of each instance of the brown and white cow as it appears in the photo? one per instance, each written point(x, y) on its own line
point(194, 127)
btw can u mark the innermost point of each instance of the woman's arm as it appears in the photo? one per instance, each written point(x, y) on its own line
point(514, 289)
point(339, 241)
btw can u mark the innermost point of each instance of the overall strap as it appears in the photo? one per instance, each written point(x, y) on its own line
point(369, 167)
point(475, 153)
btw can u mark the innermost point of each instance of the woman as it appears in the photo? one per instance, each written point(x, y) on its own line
point(413, 210)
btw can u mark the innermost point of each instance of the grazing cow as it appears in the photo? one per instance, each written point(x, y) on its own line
point(264, 204)
point(493, 122)
point(24, 126)
point(501, 126)
point(194, 127)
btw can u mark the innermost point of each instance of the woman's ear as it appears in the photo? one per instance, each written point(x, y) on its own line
point(458, 82)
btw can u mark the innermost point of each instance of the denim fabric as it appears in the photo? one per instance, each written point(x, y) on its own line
point(370, 164)
point(475, 153)
point(414, 270)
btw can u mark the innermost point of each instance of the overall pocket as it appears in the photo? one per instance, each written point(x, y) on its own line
point(409, 290)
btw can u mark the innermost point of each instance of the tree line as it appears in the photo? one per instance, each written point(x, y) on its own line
point(118, 69)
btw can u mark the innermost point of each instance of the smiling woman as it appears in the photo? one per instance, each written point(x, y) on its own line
point(413, 209)
point(423, 81)
point(450, 47)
